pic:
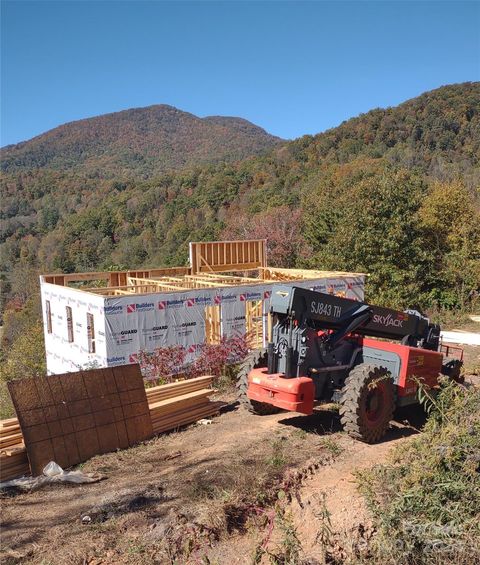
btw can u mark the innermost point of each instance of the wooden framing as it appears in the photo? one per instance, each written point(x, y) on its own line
point(213, 332)
point(279, 274)
point(158, 284)
point(254, 322)
point(212, 266)
point(215, 256)
point(113, 278)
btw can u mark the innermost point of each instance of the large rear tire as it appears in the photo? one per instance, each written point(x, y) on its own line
point(255, 360)
point(367, 402)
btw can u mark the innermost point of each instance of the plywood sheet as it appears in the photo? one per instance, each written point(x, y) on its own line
point(71, 417)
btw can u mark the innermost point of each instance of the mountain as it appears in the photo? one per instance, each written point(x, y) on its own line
point(393, 192)
point(138, 142)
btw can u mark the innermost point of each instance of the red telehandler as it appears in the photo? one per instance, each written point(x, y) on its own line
point(321, 350)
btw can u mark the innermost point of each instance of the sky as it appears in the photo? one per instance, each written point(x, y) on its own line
point(293, 68)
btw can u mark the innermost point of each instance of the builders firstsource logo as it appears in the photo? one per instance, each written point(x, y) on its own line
point(115, 360)
point(225, 298)
point(250, 296)
point(164, 304)
point(199, 301)
point(117, 309)
point(140, 307)
point(320, 288)
point(203, 300)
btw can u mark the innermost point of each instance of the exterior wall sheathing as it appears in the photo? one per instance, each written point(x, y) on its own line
point(125, 325)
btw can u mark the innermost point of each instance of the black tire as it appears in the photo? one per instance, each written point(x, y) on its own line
point(254, 360)
point(367, 402)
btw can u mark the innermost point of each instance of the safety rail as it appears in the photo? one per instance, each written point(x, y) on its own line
point(452, 351)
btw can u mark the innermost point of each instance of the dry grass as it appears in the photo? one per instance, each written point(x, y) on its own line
point(426, 501)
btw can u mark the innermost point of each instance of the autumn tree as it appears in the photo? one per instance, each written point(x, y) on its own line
point(280, 226)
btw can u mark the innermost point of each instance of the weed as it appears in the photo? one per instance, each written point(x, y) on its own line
point(332, 446)
point(278, 457)
point(324, 534)
point(426, 501)
point(300, 434)
point(201, 488)
point(276, 460)
point(290, 546)
point(135, 549)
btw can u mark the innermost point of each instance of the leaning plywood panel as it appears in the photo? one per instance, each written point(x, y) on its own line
point(71, 417)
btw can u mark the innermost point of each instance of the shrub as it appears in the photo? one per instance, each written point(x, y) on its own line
point(426, 500)
point(26, 356)
point(161, 365)
point(165, 363)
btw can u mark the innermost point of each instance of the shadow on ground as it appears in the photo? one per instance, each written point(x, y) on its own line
point(407, 421)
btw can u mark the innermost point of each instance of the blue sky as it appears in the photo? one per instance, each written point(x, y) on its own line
point(290, 67)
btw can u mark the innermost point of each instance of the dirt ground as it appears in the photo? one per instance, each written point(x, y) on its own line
point(235, 491)
point(206, 494)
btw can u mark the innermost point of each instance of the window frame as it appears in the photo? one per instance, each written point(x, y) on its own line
point(48, 316)
point(92, 347)
point(70, 333)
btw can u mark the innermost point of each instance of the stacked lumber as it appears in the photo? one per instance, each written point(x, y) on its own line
point(180, 403)
point(13, 456)
point(171, 406)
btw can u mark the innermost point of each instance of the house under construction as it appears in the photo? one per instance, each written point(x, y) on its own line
point(105, 319)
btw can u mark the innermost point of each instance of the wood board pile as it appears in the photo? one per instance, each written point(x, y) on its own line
point(171, 406)
point(13, 455)
point(180, 403)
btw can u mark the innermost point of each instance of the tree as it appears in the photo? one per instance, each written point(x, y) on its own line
point(281, 227)
point(450, 223)
point(26, 357)
point(377, 232)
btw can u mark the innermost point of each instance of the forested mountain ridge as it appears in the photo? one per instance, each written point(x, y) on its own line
point(138, 142)
point(392, 192)
point(442, 124)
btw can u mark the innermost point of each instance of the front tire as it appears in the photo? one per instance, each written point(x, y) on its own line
point(367, 402)
point(254, 360)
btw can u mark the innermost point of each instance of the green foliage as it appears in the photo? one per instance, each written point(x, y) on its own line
point(449, 220)
point(18, 319)
point(375, 231)
point(420, 244)
point(380, 193)
point(426, 501)
point(22, 352)
point(26, 357)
